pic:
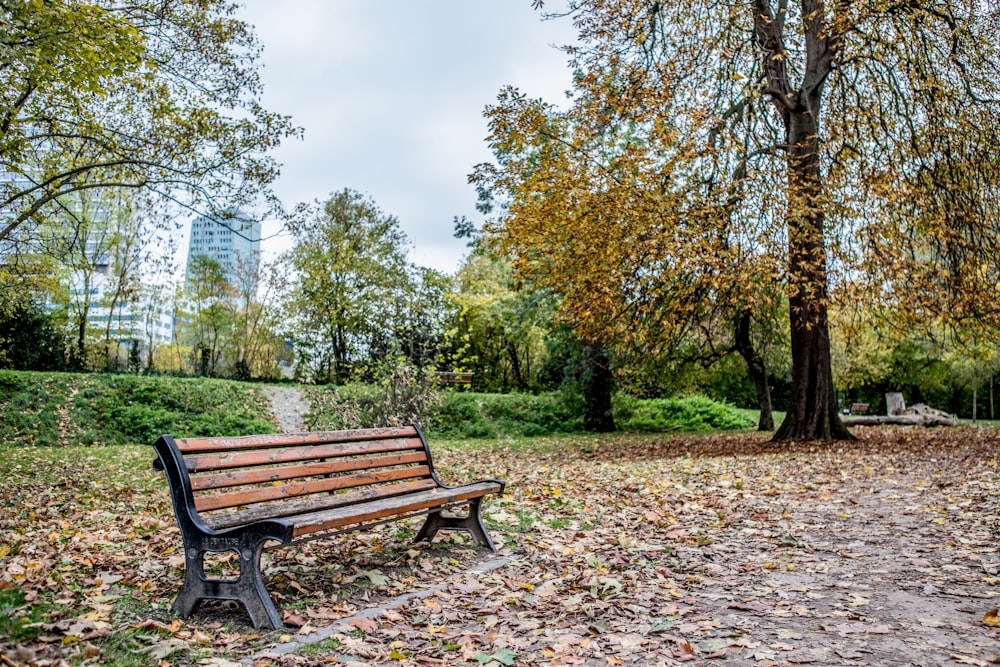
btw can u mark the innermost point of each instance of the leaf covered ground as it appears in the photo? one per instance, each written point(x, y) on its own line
point(716, 550)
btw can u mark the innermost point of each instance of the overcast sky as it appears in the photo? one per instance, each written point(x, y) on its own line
point(391, 95)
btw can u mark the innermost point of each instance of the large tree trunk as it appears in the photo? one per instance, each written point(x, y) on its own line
point(597, 388)
point(812, 413)
point(757, 370)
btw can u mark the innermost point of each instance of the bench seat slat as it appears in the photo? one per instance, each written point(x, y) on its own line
point(263, 494)
point(291, 508)
point(243, 458)
point(206, 481)
point(198, 445)
point(339, 517)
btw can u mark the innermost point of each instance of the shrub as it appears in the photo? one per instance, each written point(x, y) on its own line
point(694, 413)
point(402, 394)
point(467, 415)
point(130, 408)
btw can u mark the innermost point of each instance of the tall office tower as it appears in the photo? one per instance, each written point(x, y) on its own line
point(234, 242)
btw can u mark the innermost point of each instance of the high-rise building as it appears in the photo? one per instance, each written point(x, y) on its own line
point(234, 242)
point(89, 280)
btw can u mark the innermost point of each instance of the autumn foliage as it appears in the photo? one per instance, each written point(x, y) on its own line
point(716, 162)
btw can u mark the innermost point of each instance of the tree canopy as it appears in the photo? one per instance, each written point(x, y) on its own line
point(351, 272)
point(159, 95)
point(714, 154)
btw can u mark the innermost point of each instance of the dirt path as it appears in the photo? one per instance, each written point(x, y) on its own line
point(288, 406)
point(872, 574)
point(720, 552)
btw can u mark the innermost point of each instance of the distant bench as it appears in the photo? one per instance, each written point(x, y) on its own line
point(859, 408)
point(455, 378)
point(235, 494)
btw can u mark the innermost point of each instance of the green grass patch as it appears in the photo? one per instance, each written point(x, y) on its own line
point(47, 409)
point(469, 415)
point(20, 621)
point(320, 647)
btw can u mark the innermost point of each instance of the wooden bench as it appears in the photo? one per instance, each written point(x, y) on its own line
point(236, 494)
point(859, 408)
point(458, 379)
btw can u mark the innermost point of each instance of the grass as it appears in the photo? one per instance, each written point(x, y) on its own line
point(320, 647)
point(752, 416)
point(49, 409)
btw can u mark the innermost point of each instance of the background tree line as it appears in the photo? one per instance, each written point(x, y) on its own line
point(343, 303)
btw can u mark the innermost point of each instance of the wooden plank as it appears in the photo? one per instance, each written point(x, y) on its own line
point(290, 508)
point(197, 445)
point(340, 517)
point(245, 459)
point(263, 494)
point(207, 481)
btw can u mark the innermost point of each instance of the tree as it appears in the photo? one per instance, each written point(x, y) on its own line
point(158, 95)
point(256, 345)
point(351, 272)
point(211, 316)
point(426, 335)
point(764, 142)
point(100, 242)
point(30, 338)
point(503, 327)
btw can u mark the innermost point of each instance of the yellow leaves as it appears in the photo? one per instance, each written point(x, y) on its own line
point(992, 618)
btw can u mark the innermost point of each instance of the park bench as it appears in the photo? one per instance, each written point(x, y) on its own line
point(236, 494)
point(453, 378)
point(859, 408)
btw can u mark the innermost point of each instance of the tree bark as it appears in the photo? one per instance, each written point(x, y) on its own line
point(812, 413)
point(756, 368)
point(598, 384)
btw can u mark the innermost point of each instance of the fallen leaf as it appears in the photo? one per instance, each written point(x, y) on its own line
point(363, 624)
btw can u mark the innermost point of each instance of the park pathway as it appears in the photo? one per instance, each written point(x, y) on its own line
point(288, 406)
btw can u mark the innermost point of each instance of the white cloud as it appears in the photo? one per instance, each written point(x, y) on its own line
point(391, 95)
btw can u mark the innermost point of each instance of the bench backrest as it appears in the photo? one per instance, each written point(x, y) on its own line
point(255, 471)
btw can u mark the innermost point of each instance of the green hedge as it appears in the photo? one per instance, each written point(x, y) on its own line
point(693, 413)
point(468, 415)
point(98, 409)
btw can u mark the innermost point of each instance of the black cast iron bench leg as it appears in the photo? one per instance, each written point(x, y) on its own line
point(248, 588)
point(472, 524)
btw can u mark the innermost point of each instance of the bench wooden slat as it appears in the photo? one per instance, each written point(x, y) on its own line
point(371, 511)
point(244, 459)
point(207, 481)
point(293, 508)
point(197, 445)
point(215, 501)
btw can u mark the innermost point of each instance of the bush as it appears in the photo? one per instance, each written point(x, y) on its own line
point(402, 394)
point(130, 408)
point(97, 409)
point(694, 413)
point(467, 415)
point(29, 403)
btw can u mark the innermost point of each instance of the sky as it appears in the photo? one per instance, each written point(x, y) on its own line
point(391, 94)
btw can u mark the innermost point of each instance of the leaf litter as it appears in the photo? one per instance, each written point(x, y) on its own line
point(655, 550)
